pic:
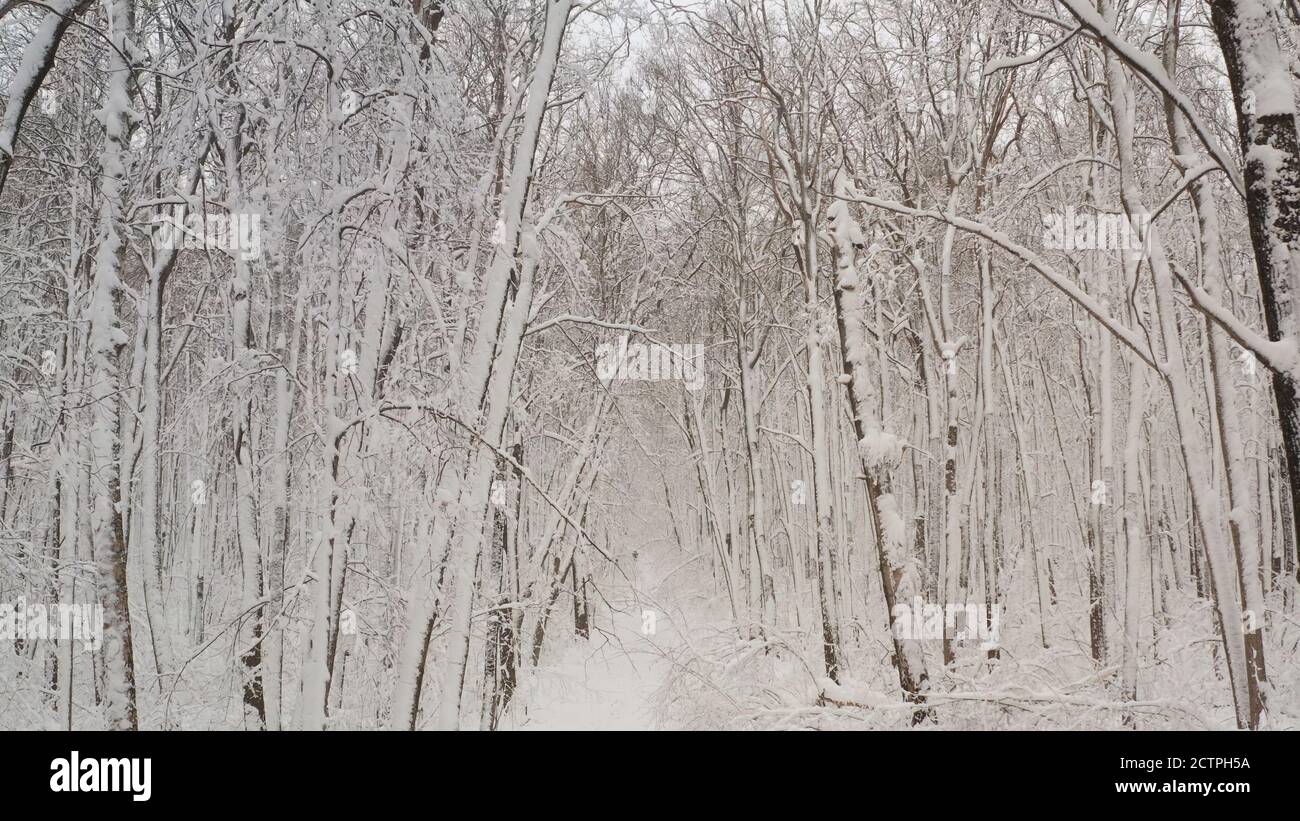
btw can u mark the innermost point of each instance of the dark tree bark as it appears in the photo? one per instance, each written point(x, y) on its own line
point(1248, 37)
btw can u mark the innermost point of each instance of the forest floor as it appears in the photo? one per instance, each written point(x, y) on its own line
point(609, 681)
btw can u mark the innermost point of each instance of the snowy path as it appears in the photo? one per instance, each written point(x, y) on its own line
point(608, 682)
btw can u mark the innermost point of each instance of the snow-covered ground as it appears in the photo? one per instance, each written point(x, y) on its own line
point(607, 682)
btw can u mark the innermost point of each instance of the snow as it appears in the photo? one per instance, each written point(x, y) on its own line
point(880, 448)
point(607, 683)
point(36, 59)
point(1271, 159)
point(891, 522)
point(1266, 82)
point(395, 426)
point(854, 694)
